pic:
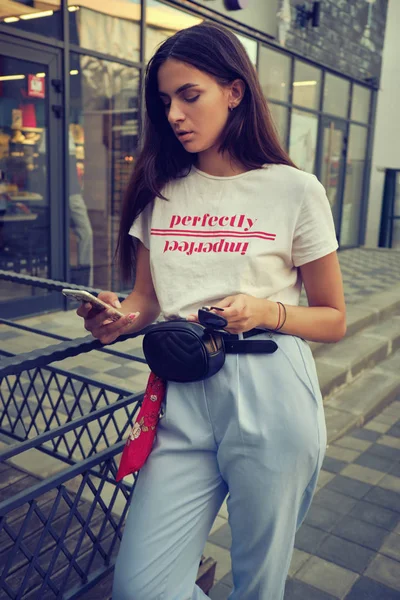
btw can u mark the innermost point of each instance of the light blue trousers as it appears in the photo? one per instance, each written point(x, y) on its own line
point(256, 430)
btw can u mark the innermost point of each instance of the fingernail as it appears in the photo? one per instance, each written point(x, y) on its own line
point(133, 316)
point(87, 305)
point(117, 304)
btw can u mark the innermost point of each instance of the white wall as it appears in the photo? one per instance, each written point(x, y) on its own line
point(386, 150)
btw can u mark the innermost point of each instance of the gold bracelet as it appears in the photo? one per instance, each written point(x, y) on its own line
point(279, 327)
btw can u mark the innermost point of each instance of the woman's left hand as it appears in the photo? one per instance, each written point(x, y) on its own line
point(244, 312)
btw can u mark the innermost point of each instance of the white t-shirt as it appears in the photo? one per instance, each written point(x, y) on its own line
point(249, 233)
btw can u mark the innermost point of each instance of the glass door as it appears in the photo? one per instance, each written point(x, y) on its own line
point(332, 168)
point(29, 125)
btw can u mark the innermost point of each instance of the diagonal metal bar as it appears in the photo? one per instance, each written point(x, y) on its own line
point(33, 560)
point(81, 520)
point(104, 349)
point(97, 495)
point(61, 372)
point(55, 480)
point(103, 527)
point(101, 501)
point(48, 435)
point(60, 544)
point(18, 545)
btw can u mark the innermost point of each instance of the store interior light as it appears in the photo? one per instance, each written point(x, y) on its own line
point(38, 15)
point(74, 72)
point(11, 19)
point(73, 8)
point(40, 74)
point(11, 77)
point(298, 83)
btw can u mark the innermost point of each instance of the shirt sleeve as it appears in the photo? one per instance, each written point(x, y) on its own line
point(141, 227)
point(314, 235)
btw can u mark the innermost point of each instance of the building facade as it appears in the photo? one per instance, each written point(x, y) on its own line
point(71, 74)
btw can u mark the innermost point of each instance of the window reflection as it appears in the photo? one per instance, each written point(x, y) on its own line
point(24, 162)
point(43, 18)
point(360, 104)
point(354, 185)
point(336, 95)
point(280, 117)
point(103, 141)
point(250, 46)
point(303, 140)
point(306, 85)
point(162, 21)
point(108, 27)
point(332, 163)
point(274, 74)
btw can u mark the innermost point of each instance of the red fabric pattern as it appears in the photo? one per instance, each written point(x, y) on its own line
point(140, 441)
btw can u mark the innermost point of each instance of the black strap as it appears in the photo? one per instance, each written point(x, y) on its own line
point(253, 332)
point(250, 346)
point(233, 336)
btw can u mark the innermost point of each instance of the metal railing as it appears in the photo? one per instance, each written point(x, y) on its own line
point(60, 535)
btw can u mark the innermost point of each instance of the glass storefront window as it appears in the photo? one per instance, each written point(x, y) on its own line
point(274, 74)
point(43, 18)
point(333, 133)
point(280, 117)
point(306, 85)
point(360, 104)
point(336, 95)
point(349, 233)
point(250, 47)
point(24, 194)
point(162, 21)
point(103, 141)
point(108, 27)
point(303, 139)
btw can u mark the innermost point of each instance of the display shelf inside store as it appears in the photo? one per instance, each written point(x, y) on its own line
point(29, 129)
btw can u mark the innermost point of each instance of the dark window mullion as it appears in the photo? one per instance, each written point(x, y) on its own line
point(102, 56)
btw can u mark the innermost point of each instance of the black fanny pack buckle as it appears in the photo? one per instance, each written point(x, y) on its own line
point(210, 320)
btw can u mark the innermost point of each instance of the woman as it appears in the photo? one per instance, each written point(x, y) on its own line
point(224, 218)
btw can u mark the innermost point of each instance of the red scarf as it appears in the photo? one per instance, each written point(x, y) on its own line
point(140, 441)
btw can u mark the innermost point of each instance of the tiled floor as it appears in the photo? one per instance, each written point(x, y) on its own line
point(349, 545)
point(367, 271)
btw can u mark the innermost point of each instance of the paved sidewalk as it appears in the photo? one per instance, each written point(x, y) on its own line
point(368, 271)
point(349, 545)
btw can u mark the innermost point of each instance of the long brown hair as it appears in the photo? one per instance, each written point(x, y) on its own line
point(249, 136)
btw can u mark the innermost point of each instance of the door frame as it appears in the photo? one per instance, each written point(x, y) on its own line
point(51, 59)
point(340, 125)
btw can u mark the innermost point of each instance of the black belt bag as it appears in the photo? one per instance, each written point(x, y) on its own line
point(184, 351)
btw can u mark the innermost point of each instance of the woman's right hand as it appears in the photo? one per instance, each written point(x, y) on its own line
point(99, 323)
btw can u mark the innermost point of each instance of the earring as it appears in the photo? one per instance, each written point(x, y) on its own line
point(231, 108)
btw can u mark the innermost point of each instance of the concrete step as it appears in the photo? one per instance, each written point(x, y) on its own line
point(339, 364)
point(363, 398)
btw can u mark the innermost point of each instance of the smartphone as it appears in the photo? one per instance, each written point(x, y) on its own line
point(97, 304)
